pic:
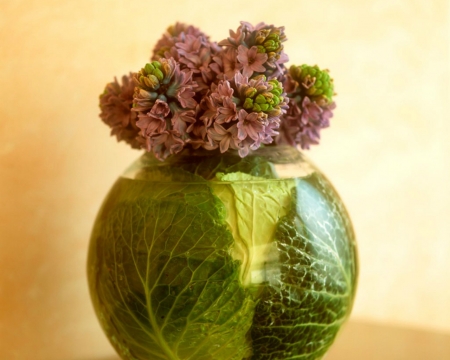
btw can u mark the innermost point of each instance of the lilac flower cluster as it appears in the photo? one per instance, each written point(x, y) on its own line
point(310, 92)
point(236, 94)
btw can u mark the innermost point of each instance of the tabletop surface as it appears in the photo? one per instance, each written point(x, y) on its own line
point(365, 341)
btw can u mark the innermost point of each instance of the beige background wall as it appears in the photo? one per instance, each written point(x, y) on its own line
point(387, 151)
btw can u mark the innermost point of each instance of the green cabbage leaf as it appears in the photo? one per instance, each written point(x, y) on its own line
point(299, 314)
point(254, 208)
point(167, 285)
point(237, 267)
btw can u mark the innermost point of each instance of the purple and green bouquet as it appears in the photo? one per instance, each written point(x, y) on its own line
point(236, 94)
point(237, 248)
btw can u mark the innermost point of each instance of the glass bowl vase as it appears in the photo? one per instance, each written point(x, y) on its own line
point(212, 256)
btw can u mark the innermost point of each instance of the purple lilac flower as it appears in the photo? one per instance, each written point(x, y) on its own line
point(225, 64)
point(249, 125)
point(219, 106)
point(227, 112)
point(222, 98)
point(195, 54)
point(164, 101)
point(210, 110)
point(236, 95)
point(303, 126)
point(115, 104)
point(224, 138)
point(164, 144)
point(310, 107)
point(184, 88)
point(251, 60)
point(182, 120)
point(193, 50)
point(262, 96)
point(155, 121)
point(174, 34)
point(267, 40)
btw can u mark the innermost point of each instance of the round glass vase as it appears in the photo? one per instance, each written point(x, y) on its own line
point(211, 256)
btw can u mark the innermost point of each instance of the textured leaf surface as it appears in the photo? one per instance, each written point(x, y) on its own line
point(167, 282)
point(298, 316)
point(254, 208)
point(167, 286)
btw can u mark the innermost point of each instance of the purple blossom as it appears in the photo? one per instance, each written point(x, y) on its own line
point(226, 65)
point(267, 39)
point(225, 138)
point(236, 38)
point(270, 132)
point(154, 122)
point(251, 60)
point(175, 34)
point(181, 119)
point(198, 129)
point(311, 113)
point(193, 50)
point(184, 88)
point(303, 125)
point(249, 125)
point(115, 104)
point(198, 94)
point(165, 144)
point(246, 145)
point(259, 87)
point(190, 44)
point(195, 54)
point(242, 36)
point(219, 105)
point(210, 110)
point(224, 89)
point(227, 111)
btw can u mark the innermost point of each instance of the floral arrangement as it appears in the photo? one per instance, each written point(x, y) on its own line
point(236, 94)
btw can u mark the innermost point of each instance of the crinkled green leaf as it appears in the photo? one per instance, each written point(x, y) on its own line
point(244, 269)
point(298, 316)
point(165, 284)
point(254, 208)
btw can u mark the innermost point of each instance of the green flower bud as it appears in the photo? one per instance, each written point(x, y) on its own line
point(256, 108)
point(313, 81)
point(248, 104)
point(150, 81)
point(149, 95)
point(260, 49)
point(158, 73)
point(271, 45)
point(277, 91)
point(275, 112)
point(250, 92)
point(264, 107)
point(260, 76)
point(270, 41)
point(260, 37)
point(260, 99)
point(154, 69)
point(273, 37)
point(149, 68)
point(157, 64)
point(263, 99)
